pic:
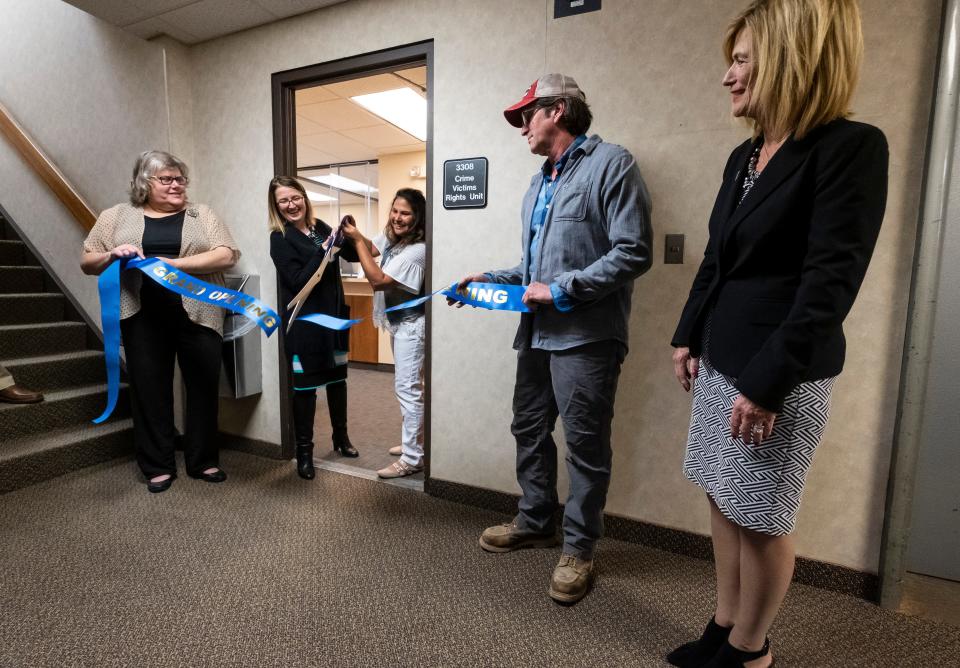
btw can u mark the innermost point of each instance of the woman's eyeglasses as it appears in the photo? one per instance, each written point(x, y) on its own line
point(296, 199)
point(167, 180)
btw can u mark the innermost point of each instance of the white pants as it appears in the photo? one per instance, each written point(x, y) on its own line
point(6, 380)
point(407, 343)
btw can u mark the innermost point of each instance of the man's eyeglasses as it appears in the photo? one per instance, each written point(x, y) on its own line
point(167, 180)
point(296, 199)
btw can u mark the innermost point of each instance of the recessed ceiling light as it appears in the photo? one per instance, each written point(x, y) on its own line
point(401, 107)
point(343, 183)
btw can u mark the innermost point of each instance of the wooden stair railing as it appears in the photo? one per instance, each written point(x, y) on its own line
point(46, 170)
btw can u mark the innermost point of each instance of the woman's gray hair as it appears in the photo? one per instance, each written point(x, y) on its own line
point(148, 164)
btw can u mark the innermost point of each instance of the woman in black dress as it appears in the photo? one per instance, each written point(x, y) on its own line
point(317, 356)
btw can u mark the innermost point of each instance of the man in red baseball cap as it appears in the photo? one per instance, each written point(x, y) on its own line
point(586, 237)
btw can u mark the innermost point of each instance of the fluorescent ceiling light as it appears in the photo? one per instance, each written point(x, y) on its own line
point(317, 197)
point(343, 183)
point(401, 107)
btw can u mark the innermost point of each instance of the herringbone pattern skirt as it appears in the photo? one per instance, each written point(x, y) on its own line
point(756, 487)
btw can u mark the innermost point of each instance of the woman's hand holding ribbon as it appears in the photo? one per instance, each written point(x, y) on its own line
point(126, 250)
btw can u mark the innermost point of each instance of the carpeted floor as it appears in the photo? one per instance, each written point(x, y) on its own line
point(271, 570)
point(371, 396)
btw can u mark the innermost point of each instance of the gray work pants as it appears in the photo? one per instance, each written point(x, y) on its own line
point(580, 385)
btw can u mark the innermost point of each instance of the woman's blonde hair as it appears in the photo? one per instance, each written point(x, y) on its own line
point(806, 62)
point(277, 222)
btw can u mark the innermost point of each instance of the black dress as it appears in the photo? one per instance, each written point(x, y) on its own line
point(318, 355)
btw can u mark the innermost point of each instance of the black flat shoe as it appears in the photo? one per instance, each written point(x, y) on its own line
point(730, 657)
point(216, 476)
point(699, 652)
point(162, 486)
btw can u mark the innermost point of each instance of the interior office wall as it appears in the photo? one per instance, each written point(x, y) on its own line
point(92, 97)
point(652, 71)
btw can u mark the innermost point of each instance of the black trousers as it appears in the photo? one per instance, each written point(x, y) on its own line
point(152, 339)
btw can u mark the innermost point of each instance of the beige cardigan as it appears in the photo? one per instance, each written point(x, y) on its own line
point(202, 231)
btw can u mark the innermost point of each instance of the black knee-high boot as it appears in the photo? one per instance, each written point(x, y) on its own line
point(304, 410)
point(337, 403)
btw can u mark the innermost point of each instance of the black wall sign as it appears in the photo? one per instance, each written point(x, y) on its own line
point(563, 8)
point(465, 183)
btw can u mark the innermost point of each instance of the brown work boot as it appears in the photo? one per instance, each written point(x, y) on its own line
point(571, 579)
point(509, 537)
point(16, 394)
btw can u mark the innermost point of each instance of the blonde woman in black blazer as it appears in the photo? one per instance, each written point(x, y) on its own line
point(760, 339)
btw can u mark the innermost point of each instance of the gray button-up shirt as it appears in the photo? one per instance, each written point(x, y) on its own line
point(595, 241)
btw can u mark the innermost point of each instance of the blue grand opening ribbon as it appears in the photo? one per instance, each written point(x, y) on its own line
point(493, 296)
point(176, 281)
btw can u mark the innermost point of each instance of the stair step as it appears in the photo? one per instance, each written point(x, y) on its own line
point(12, 252)
point(20, 279)
point(22, 309)
point(33, 340)
point(27, 461)
point(61, 371)
point(63, 408)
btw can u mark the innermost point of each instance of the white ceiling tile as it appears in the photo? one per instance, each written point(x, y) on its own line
point(211, 18)
point(157, 7)
point(201, 19)
point(152, 27)
point(344, 148)
point(283, 8)
point(380, 136)
point(117, 12)
point(313, 95)
point(366, 85)
point(338, 115)
point(307, 127)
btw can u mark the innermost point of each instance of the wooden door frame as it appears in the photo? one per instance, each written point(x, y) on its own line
point(283, 86)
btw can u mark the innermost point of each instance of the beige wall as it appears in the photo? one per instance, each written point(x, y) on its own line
point(652, 71)
point(92, 97)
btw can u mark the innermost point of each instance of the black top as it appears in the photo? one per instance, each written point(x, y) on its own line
point(297, 258)
point(782, 269)
point(162, 236)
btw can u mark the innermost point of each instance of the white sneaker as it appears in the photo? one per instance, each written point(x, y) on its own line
point(399, 469)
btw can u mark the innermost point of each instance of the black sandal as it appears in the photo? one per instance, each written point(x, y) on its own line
point(731, 657)
point(698, 652)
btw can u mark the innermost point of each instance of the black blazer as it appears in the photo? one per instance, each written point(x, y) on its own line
point(781, 271)
point(297, 258)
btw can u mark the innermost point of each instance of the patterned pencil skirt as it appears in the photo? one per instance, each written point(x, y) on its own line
point(757, 487)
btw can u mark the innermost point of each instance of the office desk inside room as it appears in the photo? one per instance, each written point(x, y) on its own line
point(363, 336)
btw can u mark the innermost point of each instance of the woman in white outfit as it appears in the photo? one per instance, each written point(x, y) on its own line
point(399, 278)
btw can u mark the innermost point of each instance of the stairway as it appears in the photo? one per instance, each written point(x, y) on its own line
point(48, 347)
